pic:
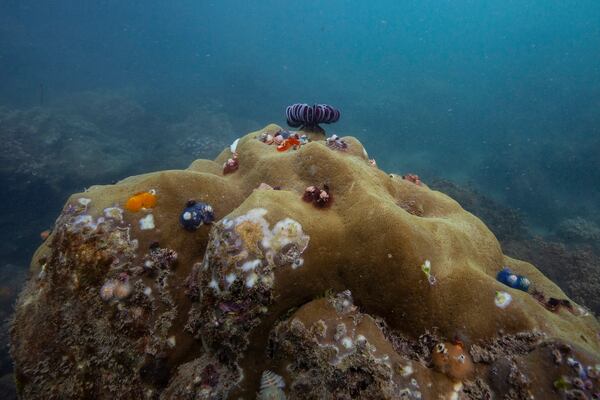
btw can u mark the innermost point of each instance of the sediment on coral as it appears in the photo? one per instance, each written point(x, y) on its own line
point(390, 291)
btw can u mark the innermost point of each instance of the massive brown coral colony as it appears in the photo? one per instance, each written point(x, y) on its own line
point(278, 298)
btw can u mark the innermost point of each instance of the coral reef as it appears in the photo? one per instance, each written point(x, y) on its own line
point(85, 138)
point(12, 278)
point(117, 109)
point(196, 136)
point(389, 292)
point(579, 230)
point(41, 146)
point(575, 266)
point(577, 269)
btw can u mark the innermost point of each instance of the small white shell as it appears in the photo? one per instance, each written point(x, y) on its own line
point(233, 146)
point(270, 379)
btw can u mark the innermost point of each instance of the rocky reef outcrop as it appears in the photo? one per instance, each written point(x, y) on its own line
point(378, 288)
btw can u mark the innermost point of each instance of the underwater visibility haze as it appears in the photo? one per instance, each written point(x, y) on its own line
point(273, 199)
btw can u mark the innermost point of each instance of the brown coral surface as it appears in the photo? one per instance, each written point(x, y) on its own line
point(348, 301)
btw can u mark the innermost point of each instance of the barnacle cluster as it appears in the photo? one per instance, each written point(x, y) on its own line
point(255, 293)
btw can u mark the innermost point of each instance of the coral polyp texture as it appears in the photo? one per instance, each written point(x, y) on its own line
point(277, 298)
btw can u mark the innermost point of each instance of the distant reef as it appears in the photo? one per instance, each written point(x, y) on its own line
point(290, 267)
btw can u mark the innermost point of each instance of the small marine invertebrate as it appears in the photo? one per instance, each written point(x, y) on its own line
point(45, 234)
point(266, 138)
point(195, 214)
point(452, 360)
point(118, 289)
point(577, 367)
point(286, 134)
point(288, 143)
point(562, 383)
point(319, 197)
point(426, 268)
point(84, 201)
point(115, 213)
point(309, 117)
point(578, 383)
point(512, 280)
point(413, 178)
point(271, 386)
point(123, 288)
point(343, 302)
point(553, 304)
point(231, 165)
point(147, 222)
point(141, 200)
point(107, 291)
point(502, 299)
point(336, 143)
point(158, 259)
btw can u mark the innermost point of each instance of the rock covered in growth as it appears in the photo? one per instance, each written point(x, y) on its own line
point(579, 230)
point(278, 298)
point(45, 147)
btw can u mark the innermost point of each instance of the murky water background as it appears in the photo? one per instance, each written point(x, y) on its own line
point(495, 102)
